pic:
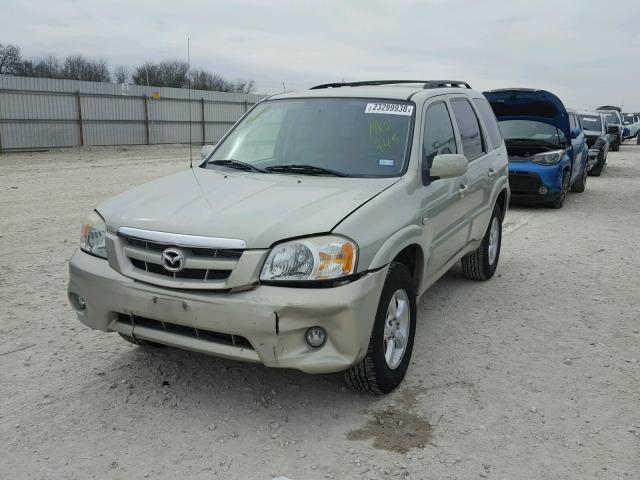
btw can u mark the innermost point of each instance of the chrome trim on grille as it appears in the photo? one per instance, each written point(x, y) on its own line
point(181, 240)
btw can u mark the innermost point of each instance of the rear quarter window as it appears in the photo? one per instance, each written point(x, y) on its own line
point(489, 119)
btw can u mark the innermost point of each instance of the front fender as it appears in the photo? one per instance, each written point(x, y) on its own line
point(409, 235)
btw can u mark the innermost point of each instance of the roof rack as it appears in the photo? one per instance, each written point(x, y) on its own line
point(427, 84)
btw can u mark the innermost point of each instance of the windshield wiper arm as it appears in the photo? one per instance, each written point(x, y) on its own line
point(305, 170)
point(237, 164)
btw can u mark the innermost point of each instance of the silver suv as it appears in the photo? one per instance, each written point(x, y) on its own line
point(305, 237)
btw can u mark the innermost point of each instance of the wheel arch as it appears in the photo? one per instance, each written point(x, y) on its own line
point(404, 247)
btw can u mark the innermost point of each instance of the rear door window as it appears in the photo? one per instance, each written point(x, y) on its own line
point(489, 119)
point(439, 137)
point(469, 128)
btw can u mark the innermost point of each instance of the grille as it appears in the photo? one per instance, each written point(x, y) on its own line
point(203, 252)
point(524, 182)
point(192, 273)
point(209, 267)
point(185, 331)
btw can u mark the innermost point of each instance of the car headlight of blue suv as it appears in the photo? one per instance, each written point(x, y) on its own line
point(548, 158)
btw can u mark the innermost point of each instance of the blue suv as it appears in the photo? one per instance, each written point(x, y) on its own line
point(547, 149)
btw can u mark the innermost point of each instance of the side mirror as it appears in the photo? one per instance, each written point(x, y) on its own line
point(205, 151)
point(448, 165)
point(575, 133)
point(612, 129)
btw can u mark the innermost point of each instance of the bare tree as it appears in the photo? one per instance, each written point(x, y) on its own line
point(122, 74)
point(46, 67)
point(9, 58)
point(77, 67)
point(169, 73)
point(204, 80)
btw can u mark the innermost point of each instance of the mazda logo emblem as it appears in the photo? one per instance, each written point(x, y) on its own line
point(173, 260)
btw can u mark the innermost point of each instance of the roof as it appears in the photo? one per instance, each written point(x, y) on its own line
point(383, 89)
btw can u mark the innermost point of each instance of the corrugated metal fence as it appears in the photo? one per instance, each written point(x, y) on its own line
point(38, 113)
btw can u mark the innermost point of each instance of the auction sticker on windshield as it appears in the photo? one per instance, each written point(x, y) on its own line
point(389, 108)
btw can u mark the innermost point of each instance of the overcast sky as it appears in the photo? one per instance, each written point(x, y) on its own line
point(585, 51)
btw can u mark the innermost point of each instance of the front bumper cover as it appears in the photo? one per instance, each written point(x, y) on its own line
point(273, 319)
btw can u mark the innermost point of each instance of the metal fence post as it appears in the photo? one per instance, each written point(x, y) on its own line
point(204, 139)
point(146, 118)
point(1, 137)
point(79, 108)
point(246, 106)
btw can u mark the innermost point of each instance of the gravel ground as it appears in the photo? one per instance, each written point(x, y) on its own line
point(532, 375)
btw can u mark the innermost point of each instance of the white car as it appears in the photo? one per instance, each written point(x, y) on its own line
point(631, 122)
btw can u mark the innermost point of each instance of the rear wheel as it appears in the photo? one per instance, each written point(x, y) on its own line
point(391, 342)
point(482, 264)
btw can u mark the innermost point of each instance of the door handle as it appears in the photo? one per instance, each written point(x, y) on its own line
point(491, 173)
point(463, 190)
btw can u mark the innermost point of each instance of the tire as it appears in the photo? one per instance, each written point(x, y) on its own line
point(616, 146)
point(373, 373)
point(139, 341)
point(597, 168)
point(581, 184)
point(482, 264)
point(559, 202)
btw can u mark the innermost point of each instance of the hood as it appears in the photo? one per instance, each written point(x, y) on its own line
point(260, 209)
point(527, 104)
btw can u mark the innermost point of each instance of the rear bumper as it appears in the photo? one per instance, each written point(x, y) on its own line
point(272, 319)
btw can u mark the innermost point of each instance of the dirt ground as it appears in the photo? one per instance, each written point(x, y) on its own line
point(532, 375)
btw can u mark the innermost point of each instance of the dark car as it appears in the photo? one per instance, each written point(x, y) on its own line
point(612, 114)
point(597, 133)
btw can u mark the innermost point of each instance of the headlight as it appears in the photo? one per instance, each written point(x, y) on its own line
point(548, 158)
point(316, 258)
point(92, 236)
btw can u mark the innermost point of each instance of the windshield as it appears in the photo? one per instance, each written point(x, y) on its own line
point(591, 122)
point(628, 119)
point(612, 118)
point(531, 130)
point(354, 137)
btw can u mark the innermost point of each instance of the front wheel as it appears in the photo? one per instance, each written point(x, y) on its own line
point(482, 264)
point(581, 183)
point(391, 342)
point(559, 202)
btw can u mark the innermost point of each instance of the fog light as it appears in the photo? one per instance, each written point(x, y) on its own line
point(77, 301)
point(315, 337)
point(543, 190)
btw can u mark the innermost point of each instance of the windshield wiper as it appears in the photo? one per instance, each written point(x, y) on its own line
point(237, 164)
point(305, 170)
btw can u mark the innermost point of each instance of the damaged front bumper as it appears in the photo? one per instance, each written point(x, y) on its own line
point(592, 159)
point(272, 319)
